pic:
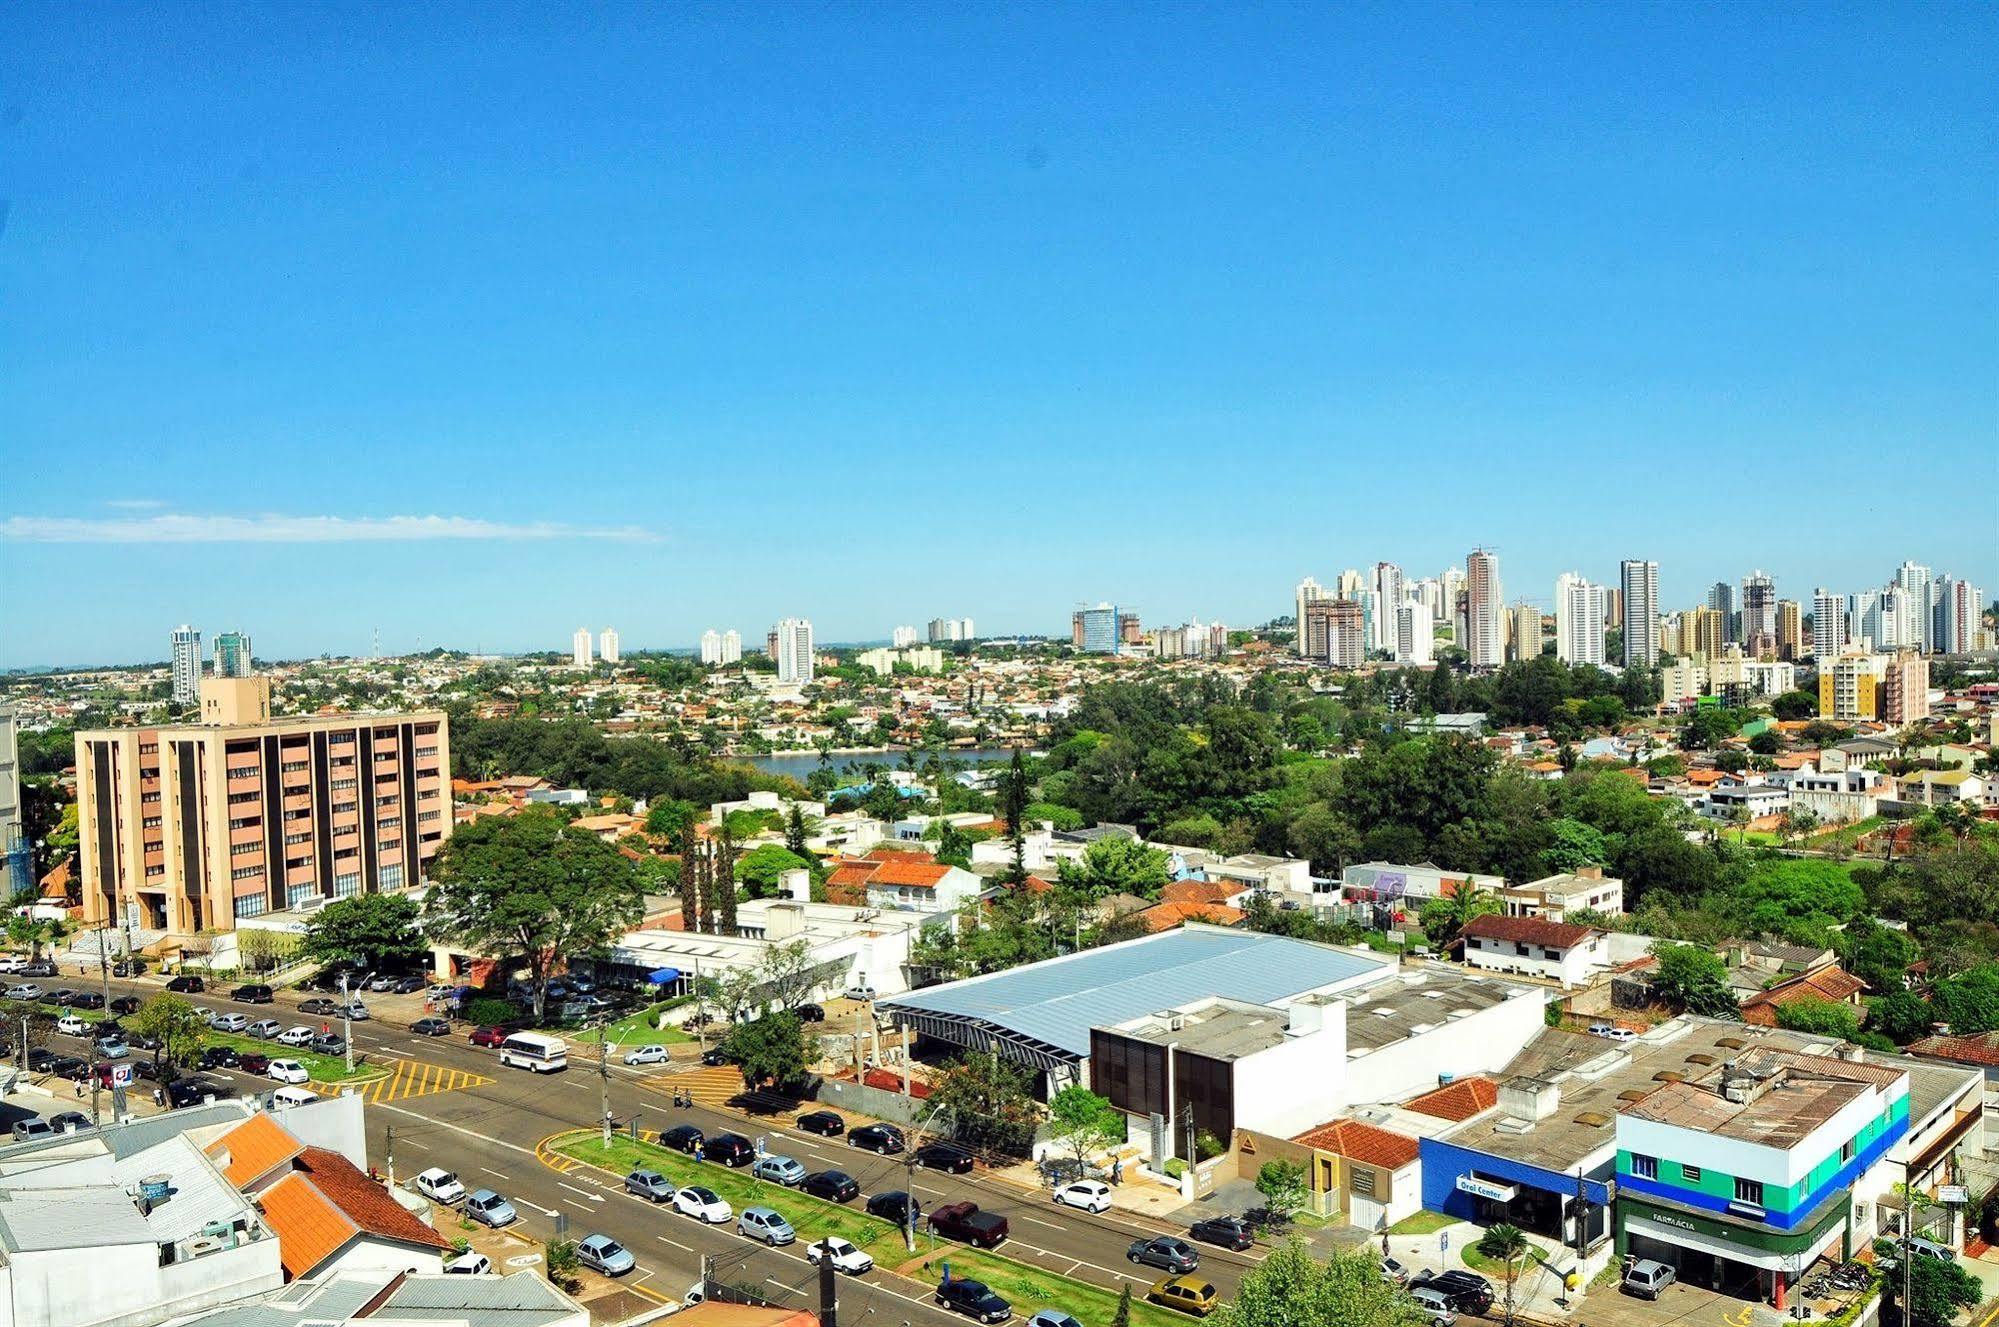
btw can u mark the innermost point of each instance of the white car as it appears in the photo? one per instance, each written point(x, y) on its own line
point(469, 1264)
point(231, 1022)
point(288, 1071)
point(703, 1205)
point(1090, 1195)
point(846, 1258)
point(11, 963)
point(27, 990)
point(861, 991)
point(71, 1026)
point(647, 1055)
point(295, 1036)
point(440, 1186)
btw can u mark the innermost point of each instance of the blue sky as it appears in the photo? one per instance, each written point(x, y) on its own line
point(478, 323)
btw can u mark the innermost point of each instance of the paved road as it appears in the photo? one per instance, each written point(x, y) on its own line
point(450, 1104)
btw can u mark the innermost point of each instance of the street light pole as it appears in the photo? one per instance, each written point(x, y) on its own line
point(347, 1022)
point(604, 1075)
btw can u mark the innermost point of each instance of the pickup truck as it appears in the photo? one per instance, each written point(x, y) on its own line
point(964, 1221)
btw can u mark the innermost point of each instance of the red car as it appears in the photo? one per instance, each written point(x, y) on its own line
point(488, 1036)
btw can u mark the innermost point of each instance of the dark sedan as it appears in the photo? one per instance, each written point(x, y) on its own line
point(824, 1123)
point(729, 1149)
point(431, 1027)
point(318, 1004)
point(810, 1013)
point(193, 1091)
point(185, 985)
point(835, 1186)
point(882, 1139)
point(1165, 1252)
point(221, 1057)
point(682, 1138)
point(895, 1206)
point(88, 1000)
point(942, 1156)
point(1227, 1231)
point(126, 1004)
point(254, 1062)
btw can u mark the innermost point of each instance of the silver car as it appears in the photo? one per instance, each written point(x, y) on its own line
point(603, 1254)
point(779, 1170)
point(764, 1224)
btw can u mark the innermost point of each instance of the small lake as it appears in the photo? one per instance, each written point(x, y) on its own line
point(800, 767)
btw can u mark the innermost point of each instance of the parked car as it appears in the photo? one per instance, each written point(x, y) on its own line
point(1188, 1294)
point(469, 1264)
point(318, 1005)
point(703, 1205)
point(37, 1127)
point(844, 1256)
point(714, 1056)
point(88, 1000)
point(72, 1026)
point(490, 1209)
point(811, 1013)
point(254, 992)
point(37, 967)
point(70, 1121)
point(221, 1057)
point(943, 1156)
point(142, 1041)
point(766, 1224)
point(128, 967)
point(1166, 1252)
point(895, 1206)
point(601, 1253)
point(407, 986)
point(329, 1043)
point(255, 1062)
point(973, 1299)
point(62, 995)
point(1435, 1305)
point(834, 1186)
point(778, 1170)
point(72, 1067)
point(1393, 1272)
point(230, 1023)
point(440, 1186)
point(112, 1047)
point(295, 1036)
point(26, 990)
point(649, 1185)
point(489, 1037)
point(964, 1221)
point(1089, 1195)
point(1052, 1318)
point(40, 1058)
point(729, 1149)
point(882, 1139)
point(384, 983)
point(822, 1122)
point(647, 1055)
point(186, 984)
point(264, 1029)
point(193, 1091)
point(126, 1004)
point(1648, 1279)
point(861, 991)
point(354, 1011)
point(682, 1138)
point(1468, 1292)
point(1612, 1032)
point(431, 1027)
point(1228, 1231)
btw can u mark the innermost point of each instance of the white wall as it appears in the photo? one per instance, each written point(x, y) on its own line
point(1572, 968)
point(124, 1286)
point(1297, 1083)
point(386, 1254)
point(1745, 1160)
point(1479, 1043)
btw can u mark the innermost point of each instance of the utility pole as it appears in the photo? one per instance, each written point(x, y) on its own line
point(604, 1075)
point(346, 1022)
point(391, 1149)
point(104, 979)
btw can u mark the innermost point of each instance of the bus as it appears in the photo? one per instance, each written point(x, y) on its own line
point(534, 1052)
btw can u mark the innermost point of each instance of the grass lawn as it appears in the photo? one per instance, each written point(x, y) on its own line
point(1030, 1288)
point(323, 1068)
point(1026, 1288)
point(633, 1030)
point(1492, 1267)
point(1422, 1223)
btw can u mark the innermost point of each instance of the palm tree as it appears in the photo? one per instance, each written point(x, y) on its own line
point(1507, 1246)
point(1464, 905)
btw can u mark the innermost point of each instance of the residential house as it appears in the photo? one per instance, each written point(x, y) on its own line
point(1555, 897)
point(1560, 952)
point(1831, 983)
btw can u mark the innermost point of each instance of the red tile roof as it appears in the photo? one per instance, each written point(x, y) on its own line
point(364, 1202)
point(1199, 891)
point(1459, 1101)
point(916, 875)
point(1166, 916)
point(1980, 1048)
point(1831, 982)
point(1529, 930)
point(253, 1149)
point(1362, 1142)
point(310, 1227)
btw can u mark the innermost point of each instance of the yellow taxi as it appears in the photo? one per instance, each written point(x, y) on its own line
point(1188, 1294)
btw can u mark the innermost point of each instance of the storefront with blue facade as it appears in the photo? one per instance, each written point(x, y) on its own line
point(1483, 1188)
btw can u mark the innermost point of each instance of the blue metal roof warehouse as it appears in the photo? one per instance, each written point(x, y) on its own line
point(1041, 1014)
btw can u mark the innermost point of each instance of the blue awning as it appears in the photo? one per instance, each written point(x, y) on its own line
point(663, 976)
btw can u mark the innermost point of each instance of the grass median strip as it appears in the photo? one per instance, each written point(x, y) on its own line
point(322, 1068)
point(1026, 1287)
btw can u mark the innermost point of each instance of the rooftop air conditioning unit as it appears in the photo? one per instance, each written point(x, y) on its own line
point(200, 1246)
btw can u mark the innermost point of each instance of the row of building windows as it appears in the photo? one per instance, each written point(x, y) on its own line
point(341, 785)
point(292, 840)
point(237, 799)
point(247, 873)
point(1746, 1191)
point(250, 905)
point(245, 849)
point(150, 822)
point(242, 771)
point(246, 822)
point(147, 799)
point(149, 748)
point(425, 817)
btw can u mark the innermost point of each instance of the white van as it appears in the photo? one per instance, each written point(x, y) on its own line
point(534, 1052)
point(292, 1096)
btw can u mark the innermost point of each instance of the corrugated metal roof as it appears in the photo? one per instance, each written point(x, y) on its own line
point(80, 1218)
point(1057, 1002)
point(199, 1193)
point(520, 1299)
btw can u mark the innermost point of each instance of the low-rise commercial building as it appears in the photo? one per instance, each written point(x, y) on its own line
point(1561, 952)
point(1554, 897)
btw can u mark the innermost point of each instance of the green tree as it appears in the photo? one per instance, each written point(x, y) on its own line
point(1821, 1018)
point(761, 868)
point(673, 820)
point(1115, 866)
point(794, 834)
point(1766, 743)
point(1319, 835)
point(375, 930)
point(773, 1049)
point(1122, 1316)
point(1015, 810)
point(1574, 845)
point(1969, 1001)
point(1505, 1245)
point(261, 950)
point(1794, 705)
point(1902, 1017)
point(532, 888)
point(1291, 1288)
point(1938, 1289)
point(989, 1101)
point(1084, 1122)
point(1694, 980)
point(1282, 1184)
point(177, 1025)
point(1444, 919)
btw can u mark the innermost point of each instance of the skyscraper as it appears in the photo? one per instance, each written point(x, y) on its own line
point(732, 646)
point(1484, 610)
point(1523, 632)
point(1958, 611)
point(232, 654)
point(1336, 632)
point(187, 664)
point(1414, 632)
point(1309, 591)
point(607, 646)
point(1707, 632)
point(1388, 594)
point(1790, 629)
point(1721, 598)
point(794, 651)
point(1579, 612)
point(579, 647)
point(1913, 580)
point(1640, 581)
point(1828, 623)
point(711, 646)
point(1759, 615)
point(1351, 583)
point(903, 637)
point(1098, 629)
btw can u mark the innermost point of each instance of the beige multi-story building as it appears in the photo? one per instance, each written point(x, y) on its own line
point(189, 827)
point(1709, 634)
point(1905, 688)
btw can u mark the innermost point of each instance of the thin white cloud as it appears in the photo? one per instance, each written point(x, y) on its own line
point(135, 504)
point(181, 528)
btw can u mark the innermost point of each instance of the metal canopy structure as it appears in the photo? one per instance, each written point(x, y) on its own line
point(1041, 1014)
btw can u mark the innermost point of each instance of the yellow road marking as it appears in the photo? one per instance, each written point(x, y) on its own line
point(414, 1078)
point(663, 1299)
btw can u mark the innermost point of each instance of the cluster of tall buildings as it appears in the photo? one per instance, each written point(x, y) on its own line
point(606, 648)
point(232, 659)
point(945, 629)
point(1383, 613)
point(1104, 629)
point(721, 647)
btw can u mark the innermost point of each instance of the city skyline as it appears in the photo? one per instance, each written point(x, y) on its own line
point(305, 327)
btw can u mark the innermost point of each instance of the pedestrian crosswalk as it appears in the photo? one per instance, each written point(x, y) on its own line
point(709, 1085)
point(416, 1078)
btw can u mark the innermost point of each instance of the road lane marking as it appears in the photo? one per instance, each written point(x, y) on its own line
point(684, 1249)
point(595, 1198)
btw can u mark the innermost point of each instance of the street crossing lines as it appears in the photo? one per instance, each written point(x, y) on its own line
point(418, 1078)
